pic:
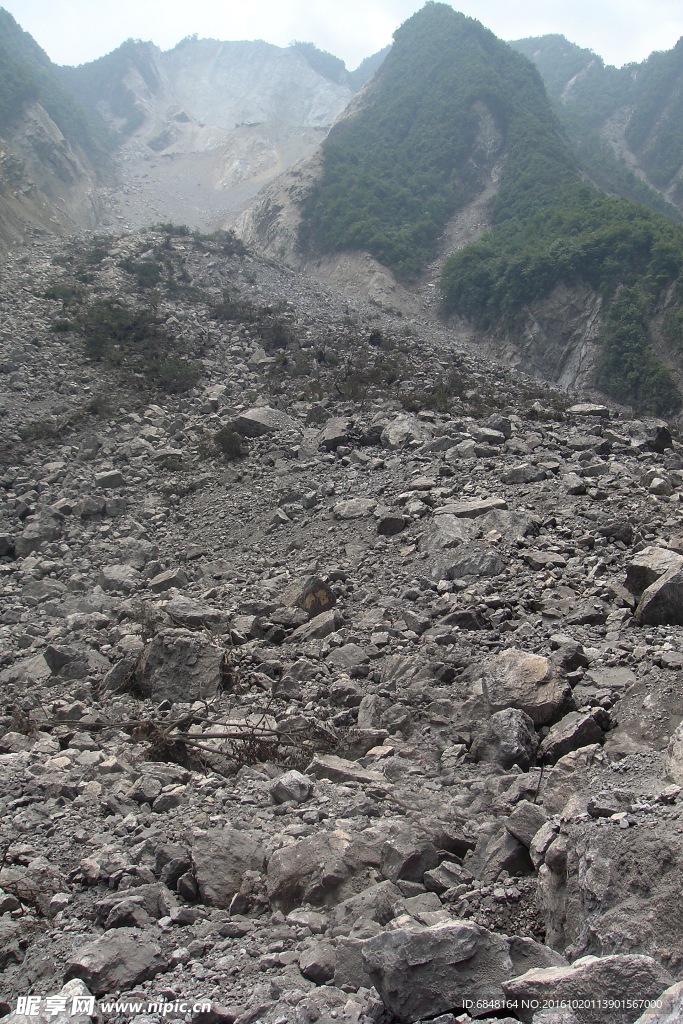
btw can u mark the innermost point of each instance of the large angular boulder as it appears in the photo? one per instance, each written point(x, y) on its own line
point(667, 1009)
point(422, 972)
point(475, 508)
point(407, 857)
point(263, 420)
point(122, 958)
point(589, 986)
point(312, 595)
point(499, 852)
point(474, 559)
point(402, 430)
point(577, 729)
point(181, 665)
point(603, 890)
point(310, 871)
point(380, 903)
point(319, 627)
point(36, 532)
point(447, 531)
point(649, 565)
point(507, 738)
point(354, 508)
point(120, 578)
point(529, 682)
point(526, 821)
point(219, 858)
point(662, 603)
point(674, 757)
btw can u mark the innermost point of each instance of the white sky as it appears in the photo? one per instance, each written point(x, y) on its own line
point(75, 31)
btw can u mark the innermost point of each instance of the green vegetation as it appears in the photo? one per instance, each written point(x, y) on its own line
point(367, 68)
point(624, 251)
point(322, 62)
point(586, 93)
point(275, 332)
point(229, 443)
point(394, 173)
point(657, 106)
point(134, 341)
point(147, 273)
point(27, 75)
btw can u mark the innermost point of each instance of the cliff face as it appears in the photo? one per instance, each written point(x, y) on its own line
point(46, 182)
point(206, 124)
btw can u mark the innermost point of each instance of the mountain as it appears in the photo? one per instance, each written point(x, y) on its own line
point(202, 127)
point(54, 152)
point(626, 123)
point(142, 135)
point(452, 168)
point(448, 102)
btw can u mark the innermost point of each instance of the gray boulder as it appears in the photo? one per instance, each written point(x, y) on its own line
point(447, 531)
point(291, 786)
point(402, 430)
point(587, 985)
point(501, 851)
point(407, 857)
point(649, 565)
point(525, 821)
point(662, 602)
point(507, 738)
point(473, 559)
point(44, 528)
point(181, 665)
point(379, 903)
point(263, 420)
point(310, 871)
point(318, 962)
point(422, 972)
point(119, 960)
point(668, 1008)
point(220, 858)
point(528, 682)
point(573, 731)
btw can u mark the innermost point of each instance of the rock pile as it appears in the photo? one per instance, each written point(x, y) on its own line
point(378, 719)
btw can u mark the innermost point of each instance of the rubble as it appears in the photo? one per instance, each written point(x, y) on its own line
point(358, 714)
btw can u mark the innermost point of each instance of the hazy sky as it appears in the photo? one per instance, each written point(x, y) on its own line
point(74, 31)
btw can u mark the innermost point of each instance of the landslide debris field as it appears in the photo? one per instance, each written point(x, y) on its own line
point(341, 670)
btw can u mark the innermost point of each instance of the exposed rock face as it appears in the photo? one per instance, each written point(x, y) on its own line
point(228, 116)
point(47, 183)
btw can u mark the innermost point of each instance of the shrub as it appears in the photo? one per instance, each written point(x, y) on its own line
point(229, 442)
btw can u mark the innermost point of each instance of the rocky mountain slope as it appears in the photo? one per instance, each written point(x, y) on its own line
point(206, 124)
point(340, 668)
point(53, 156)
point(142, 136)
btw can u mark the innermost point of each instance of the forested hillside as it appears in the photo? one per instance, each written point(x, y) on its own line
point(450, 101)
point(619, 118)
point(447, 101)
